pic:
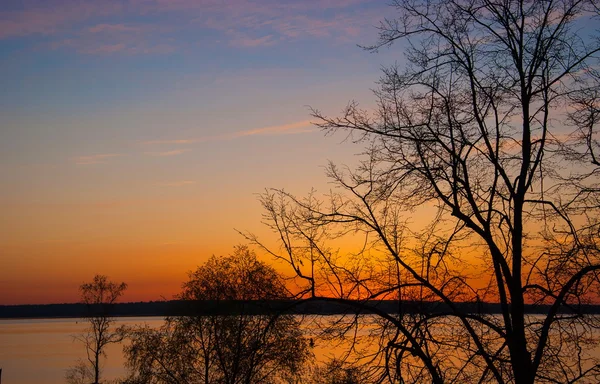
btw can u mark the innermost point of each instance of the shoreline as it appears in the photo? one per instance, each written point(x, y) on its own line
point(260, 307)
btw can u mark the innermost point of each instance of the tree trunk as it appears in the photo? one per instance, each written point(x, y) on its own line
point(97, 367)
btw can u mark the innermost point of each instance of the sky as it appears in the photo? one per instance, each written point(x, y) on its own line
point(135, 134)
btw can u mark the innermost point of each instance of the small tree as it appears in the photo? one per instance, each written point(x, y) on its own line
point(234, 348)
point(336, 371)
point(99, 296)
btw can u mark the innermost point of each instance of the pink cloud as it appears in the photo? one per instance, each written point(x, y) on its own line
point(110, 28)
point(94, 159)
point(176, 183)
point(108, 39)
point(248, 42)
point(104, 49)
point(304, 126)
point(176, 141)
point(285, 129)
point(244, 23)
point(290, 20)
point(52, 18)
point(34, 24)
point(168, 153)
point(159, 49)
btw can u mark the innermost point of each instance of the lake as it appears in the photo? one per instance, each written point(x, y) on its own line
point(38, 351)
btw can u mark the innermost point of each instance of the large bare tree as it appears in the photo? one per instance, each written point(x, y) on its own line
point(487, 129)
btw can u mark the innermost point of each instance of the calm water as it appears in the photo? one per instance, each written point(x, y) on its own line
point(39, 351)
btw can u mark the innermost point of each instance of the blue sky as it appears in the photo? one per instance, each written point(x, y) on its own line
point(132, 125)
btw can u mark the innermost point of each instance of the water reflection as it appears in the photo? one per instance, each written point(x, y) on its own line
point(39, 351)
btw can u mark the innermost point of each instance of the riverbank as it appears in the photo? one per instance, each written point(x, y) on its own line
point(258, 307)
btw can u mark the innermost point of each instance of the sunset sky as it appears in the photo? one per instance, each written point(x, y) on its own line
point(135, 134)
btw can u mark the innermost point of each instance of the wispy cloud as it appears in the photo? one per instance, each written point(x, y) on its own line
point(128, 39)
point(137, 26)
point(112, 28)
point(94, 159)
point(285, 129)
point(174, 152)
point(176, 183)
point(104, 49)
point(51, 18)
point(249, 42)
point(178, 141)
point(267, 23)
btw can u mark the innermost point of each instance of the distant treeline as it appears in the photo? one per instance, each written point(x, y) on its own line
point(260, 307)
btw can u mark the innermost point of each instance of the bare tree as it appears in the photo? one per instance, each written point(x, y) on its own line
point(230, 348)
point(489, 128)
point(99, 296)
point(336, 371)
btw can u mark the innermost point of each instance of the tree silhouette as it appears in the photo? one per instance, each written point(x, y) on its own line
point(489, 129)
point(337, 372)
point(231, 348)
point(99, 296)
